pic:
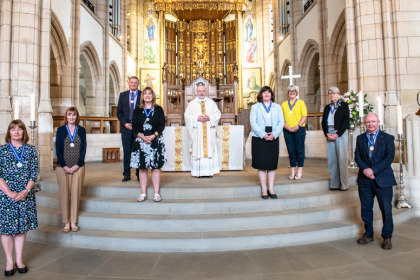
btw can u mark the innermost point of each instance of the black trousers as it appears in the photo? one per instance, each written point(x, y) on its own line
point(127, 142)
point(367, 192)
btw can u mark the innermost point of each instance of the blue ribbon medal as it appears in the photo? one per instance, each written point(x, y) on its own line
point(148, 113)
point(18, 157)
point(267, 109)
point(372, 143)
point(291, 106)
point(72, 137)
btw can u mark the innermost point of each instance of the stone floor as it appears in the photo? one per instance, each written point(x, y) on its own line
point(343, 259)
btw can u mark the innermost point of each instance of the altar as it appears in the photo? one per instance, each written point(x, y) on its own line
point(230, 148)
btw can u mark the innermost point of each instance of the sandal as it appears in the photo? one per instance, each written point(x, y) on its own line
point(142, 197)
point(292, 176)
point(298, 176)
point(157, 198)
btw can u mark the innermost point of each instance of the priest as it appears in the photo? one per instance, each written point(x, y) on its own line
point(202, 117)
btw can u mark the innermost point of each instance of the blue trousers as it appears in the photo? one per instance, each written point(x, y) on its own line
point(295, 142)
point(367, 192)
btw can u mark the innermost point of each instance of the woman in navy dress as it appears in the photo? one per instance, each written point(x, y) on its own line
point(18, 173)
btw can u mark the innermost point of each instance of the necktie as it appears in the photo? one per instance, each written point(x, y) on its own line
point(370, 151)
point(132, 106)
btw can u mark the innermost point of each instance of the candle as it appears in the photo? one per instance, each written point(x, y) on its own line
point(16, 111)
point(33, 98)
point(361, 103)
point(399, 119)
point(380, 111)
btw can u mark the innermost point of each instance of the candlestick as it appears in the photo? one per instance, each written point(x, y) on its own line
point(399, 119)
point(352, 164)
point(361, 103)
point(33, 102)
point(402, 200)
point(16, 111)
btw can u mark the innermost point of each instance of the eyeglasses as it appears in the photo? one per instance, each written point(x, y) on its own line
point(331, 93)
point(371, 122)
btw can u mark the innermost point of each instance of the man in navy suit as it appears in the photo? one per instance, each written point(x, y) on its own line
point(375, 151)
point(127, 102)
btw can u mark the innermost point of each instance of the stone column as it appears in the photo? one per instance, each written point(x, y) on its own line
point(73, 90)
point(323, 47)
point(276, 38)
point(239, 58)
point(412, 161)
point(124, 43)
point(5, 62)
point(351, 45)
point(45, 121)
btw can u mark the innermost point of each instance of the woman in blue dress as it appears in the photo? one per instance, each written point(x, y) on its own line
point(18, 173)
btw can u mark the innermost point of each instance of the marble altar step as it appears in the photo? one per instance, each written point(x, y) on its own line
point(206, 222)
point(199, 189)
point(203, 206)
point(209, 241)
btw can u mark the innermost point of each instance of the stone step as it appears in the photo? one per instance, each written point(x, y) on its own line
point(204, 206)
point(205, 222)
point(197, 191)
point(209, 241)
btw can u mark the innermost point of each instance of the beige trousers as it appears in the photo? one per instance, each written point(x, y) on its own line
point(70, 188)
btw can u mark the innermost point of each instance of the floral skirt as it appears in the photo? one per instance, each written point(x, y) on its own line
point(148, 156)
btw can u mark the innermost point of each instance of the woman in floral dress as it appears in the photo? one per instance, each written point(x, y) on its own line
point(148, 150)
point(18, 173)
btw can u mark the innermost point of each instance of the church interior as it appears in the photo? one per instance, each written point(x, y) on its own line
point(81, 53)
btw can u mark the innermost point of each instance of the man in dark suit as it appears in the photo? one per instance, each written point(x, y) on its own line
point(127, 102)
point(375, 151)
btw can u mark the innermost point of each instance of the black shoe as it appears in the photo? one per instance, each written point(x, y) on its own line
point(334, 189)
point(126, 178)
point(21, 270)
point(273, 196)
point(8, 273)
point(264, 196)
point(210, 176)
point(138, 178)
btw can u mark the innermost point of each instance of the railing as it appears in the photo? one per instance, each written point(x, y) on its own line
point(101, 120)
point(89, 5)
point(316, 124)
point(307, 5)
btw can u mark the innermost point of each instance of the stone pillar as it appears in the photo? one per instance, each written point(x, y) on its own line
point(412, 161)
point(162, 48)
point(124, 43)
point(5, 62)
point(323, 47)
point(351, 45)
point(72, 96)
point(276, 37)
point(133, 39)
point(239, 58)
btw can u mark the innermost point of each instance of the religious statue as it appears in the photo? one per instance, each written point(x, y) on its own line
point(250, 54)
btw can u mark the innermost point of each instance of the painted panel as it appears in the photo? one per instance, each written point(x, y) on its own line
point(62, 8)
point(251, 81)
point(150, 78)
point(250, 33)
point(151, 32)
point(115, 53)
point(94, 33)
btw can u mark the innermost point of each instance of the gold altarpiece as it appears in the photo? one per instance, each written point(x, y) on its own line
point(200, 44)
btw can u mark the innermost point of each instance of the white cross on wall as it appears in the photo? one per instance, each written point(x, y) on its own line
point(291, 76)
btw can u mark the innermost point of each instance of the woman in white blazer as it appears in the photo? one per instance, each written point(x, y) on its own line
point(267, 122)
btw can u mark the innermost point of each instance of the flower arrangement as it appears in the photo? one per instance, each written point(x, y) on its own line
point(352, 99)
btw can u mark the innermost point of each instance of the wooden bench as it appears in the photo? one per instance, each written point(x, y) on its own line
point(110, 155)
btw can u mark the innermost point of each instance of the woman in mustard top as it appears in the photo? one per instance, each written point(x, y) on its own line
point(294, 130)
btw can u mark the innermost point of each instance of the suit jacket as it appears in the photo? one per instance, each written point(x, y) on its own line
point(341, 119)
point(259, 120)
point(382, 158)
point(123, 110)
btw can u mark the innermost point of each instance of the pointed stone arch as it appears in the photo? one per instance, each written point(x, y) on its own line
point(337, 55)
point(282, 89)
point(59, 65)
point(309, 65)
point(272, 82)
point(114, 83)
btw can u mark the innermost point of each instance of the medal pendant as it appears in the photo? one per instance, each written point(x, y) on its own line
point(147, 119)
point(268, 115)
point(291, 112)
point(372, 148)
point(19, 165)
point(72, 145)
point(132, 101)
